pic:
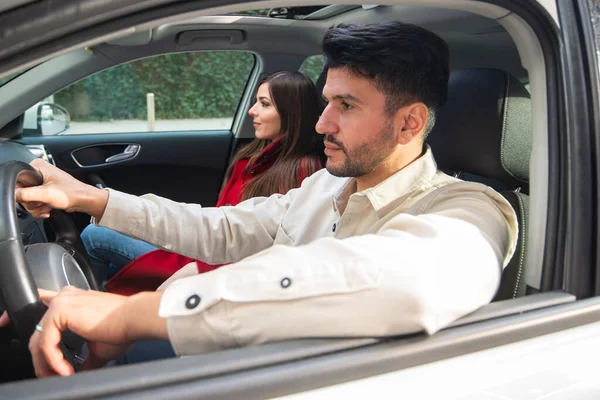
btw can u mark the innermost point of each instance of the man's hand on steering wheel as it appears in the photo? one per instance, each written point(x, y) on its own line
point(109, 323)
point(61, 191)
point(82, 312)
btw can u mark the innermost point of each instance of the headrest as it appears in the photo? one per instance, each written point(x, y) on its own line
point(485, 127)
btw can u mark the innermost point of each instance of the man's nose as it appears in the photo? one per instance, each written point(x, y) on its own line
point(325, 124)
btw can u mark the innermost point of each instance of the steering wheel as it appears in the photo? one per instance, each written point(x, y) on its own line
point(46, 265)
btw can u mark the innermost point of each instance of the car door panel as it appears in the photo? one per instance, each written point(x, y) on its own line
point(183, 166)
point(384, 367)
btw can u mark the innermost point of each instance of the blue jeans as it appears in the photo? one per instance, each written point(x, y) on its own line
point(110, 250)
point(142, 351)
point(147, 350)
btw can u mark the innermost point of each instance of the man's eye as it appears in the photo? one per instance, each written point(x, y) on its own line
point(346, 106)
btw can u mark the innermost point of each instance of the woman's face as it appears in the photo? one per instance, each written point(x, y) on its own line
point(267, 123)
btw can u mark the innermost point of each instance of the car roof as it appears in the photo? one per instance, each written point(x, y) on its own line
point(474, 41)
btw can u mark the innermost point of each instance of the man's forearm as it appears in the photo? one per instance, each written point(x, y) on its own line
point(215, 235)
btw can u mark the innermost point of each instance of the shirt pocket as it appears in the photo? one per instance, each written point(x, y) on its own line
point(282, 238)
point(300, 281)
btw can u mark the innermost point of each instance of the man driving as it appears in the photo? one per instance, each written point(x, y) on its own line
point(373, 245)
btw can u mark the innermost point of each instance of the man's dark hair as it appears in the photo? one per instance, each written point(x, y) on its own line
point(406, 63)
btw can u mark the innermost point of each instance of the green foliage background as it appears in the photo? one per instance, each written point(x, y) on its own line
point(312, 67)
point(185, 85)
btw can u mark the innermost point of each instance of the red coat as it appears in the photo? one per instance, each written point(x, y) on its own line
point(148, 271)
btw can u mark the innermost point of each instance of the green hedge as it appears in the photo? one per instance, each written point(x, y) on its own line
point(185, 85)
point(312, 67)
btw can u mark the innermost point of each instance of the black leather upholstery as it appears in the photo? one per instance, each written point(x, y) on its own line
point(512, 284)
point(485, 127)
point(483, 132)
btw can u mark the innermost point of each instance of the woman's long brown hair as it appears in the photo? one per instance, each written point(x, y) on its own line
point(295, 99)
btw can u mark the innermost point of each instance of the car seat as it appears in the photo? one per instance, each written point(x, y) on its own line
point(484, 134)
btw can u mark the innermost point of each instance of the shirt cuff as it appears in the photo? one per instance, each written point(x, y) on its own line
point(197, 318)
point(121, 211)
point(206, 332)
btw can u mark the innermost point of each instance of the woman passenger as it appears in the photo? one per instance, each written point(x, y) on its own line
point(286, 149)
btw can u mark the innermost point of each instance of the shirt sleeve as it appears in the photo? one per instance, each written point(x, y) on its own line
point(215, 235)
point(416, 273)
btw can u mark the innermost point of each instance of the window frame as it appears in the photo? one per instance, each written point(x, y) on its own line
point(236, 107)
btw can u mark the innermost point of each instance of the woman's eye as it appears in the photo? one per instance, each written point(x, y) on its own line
point(264, 104)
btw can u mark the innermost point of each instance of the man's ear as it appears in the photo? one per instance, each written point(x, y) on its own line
point(410, 121)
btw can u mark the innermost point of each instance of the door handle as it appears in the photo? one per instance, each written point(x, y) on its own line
point(129, 152)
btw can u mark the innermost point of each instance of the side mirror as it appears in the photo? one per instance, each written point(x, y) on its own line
point(52, 119)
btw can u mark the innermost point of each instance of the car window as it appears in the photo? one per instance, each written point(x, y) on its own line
point(312, 67)
point(174, 92)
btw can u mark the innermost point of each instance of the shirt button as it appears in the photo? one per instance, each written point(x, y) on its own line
point(333, 227)
point(286, 283)
point(192, 302)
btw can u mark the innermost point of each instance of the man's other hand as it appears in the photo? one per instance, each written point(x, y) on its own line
point(109, 323)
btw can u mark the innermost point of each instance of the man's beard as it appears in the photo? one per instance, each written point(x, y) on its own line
point(365, 158)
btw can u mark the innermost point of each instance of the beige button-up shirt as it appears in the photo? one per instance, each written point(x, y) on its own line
point(411, 254)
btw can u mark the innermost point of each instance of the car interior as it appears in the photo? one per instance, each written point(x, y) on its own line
point(491, 130)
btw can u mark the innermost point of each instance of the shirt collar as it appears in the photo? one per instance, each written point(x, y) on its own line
point(417, 175)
